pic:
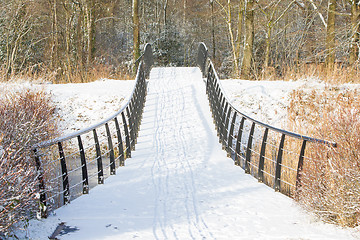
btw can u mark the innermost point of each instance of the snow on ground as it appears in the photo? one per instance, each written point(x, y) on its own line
point(179, 184)
point(83, 105)
point(267, 101)
point(80, 105)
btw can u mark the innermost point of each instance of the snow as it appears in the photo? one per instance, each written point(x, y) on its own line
point(83, 105)
point(80, 105)
point(268, 101)
point(179, 183)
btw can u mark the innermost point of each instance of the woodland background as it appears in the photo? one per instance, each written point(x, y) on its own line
point(78, 40)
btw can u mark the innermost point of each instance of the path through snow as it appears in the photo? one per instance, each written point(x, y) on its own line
point(179, 184)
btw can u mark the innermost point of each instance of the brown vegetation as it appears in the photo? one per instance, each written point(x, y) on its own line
point(331, 176)
point(26, 118)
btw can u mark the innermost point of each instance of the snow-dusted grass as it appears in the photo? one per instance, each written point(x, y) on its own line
point(180, 184)
point(82, 105)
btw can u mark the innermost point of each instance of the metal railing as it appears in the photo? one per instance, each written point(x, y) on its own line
point(272, 155)
point(70, 165)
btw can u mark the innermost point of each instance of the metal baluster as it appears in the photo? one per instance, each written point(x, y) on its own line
point(248, 150)
point(98, 158)
point(42, 192)
point(83, 167)
point(230, 139)
point(65, 177)
point(278, 164)
point(120, 143)
point(262, 156)
point(127, 137)
point(111, 149)
point(238, 142)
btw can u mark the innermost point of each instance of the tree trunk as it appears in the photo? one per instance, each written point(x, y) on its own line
point(55, 39)
point(136, 33)
point(91, 31)
point(213, 29)
point(355, 32)
point(79, 44)
point(330, 35)
point(249, 40)
point(267, 50)
point(232, 40)
point(240, 29)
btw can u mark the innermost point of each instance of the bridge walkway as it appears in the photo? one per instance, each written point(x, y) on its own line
point(179, 183)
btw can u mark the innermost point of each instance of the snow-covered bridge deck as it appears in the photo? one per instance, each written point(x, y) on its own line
point(179, 183)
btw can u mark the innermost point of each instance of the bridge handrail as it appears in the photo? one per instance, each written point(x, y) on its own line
point(147, 51)
point(226, 117)
point(279, 130)
point(54, 173)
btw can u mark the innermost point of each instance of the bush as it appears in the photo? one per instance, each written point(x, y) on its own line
point(331, 176)
point(26, 118)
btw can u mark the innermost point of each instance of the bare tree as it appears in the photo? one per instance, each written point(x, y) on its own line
point(249, 40)
point(136, 32)
point(355, 31)
point(330, 35)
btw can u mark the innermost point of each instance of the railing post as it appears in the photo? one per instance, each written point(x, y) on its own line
point(65, 177)
point(219, 116)
point(300, 165)
point(202, 57)
point(83, 167)
point(98, 158)
point(131, 128)
point(111, 149)
point(127, 137)
point(230, 139)
point(238, 142)
point(120, 143)
point(262, 156)
point(278, 164)
point(249, 147)
point(42, 192)
point(226, 128)
point(222, 123)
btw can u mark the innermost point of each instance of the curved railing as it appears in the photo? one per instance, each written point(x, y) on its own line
point(272, 155)
point(66, 172)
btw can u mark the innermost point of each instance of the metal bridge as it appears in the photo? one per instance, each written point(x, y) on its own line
point(72, 165)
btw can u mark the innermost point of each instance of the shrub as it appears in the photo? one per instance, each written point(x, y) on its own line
point(26, 118)
point(331, 176)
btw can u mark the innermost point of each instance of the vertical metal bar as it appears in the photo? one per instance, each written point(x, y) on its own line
point(230, 139)
point(222, 123)
point(131, 127)
point(65, 177)
point(111, 149)
point(249, 147)
point(127, 137)
point(226, 128)
point(262, 156)
point(42, 192)
point(120, 143)
point(238, 142)
point(300, 165)
point(220, 113)
point(98, 158)
point(83, 167)
point(278, 164)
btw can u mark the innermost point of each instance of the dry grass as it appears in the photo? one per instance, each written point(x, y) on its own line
point(337, 75)
point(26, 118)
point(40, 73)
point(331, 176)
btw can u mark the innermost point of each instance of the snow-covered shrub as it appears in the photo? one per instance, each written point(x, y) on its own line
point(331, 176)
point(26, 118)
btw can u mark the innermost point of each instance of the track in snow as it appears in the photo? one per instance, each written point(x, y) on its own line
point(179, 184)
